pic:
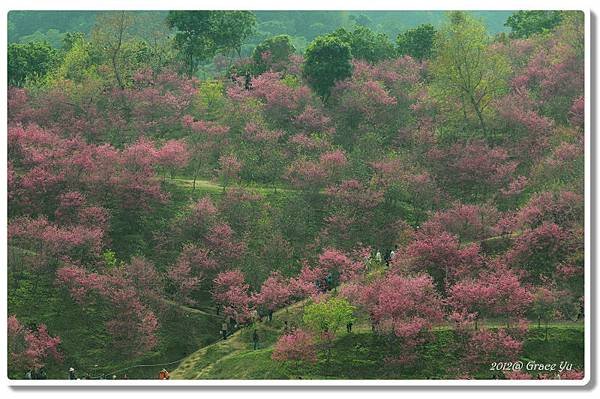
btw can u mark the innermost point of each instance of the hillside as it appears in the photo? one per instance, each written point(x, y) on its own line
point(32, 25)
point(358, 355)
point(171, 171)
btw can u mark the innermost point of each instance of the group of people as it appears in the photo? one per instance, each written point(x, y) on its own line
point(388, 256)
point(233, 75)
point(36, 374)
point(73, 376)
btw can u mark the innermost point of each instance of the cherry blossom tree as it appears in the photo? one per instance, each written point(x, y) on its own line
point(231, 292)
point(172, 156)
point(133, 325)
point(229, 169)
point(297, 346)
point(31, 349)
point(497, 293)
point(442, 257)
point(274, 293)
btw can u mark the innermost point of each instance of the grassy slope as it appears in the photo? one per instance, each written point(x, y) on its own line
point(84, 338)
point(36, 299)
point(360, 355)
point(357, 355)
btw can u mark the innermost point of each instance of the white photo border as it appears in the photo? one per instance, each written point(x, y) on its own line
point(425, 5)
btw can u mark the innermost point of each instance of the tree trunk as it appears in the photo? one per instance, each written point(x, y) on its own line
point(117, 74)
point(479, 113)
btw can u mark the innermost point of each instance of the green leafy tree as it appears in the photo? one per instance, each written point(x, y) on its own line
point(326, 62)
point(79, 61)
point(52, 36)
point(361, 19)
point(544, 306)
point(152, 29)
point(366, 44)
point(233, 28)
point(327, 317)
point(29, 61)
point(465, 71)
point(112, 34)
point(193, 37)
point(70, 38)
point(523, 24)
point(417, 42)
point(272, 53)
point(202, 34)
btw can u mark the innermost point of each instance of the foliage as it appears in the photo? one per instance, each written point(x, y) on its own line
point(523, 24)
point(422, 221)
point(465, 71)
point(417, 42)
point(327, 316)
point(29, 62)
point(327, 61)
point(272, 54)
point(365, 44)
point(202, 34)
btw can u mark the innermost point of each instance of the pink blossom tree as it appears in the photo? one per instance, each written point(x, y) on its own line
point(133, 325)
point(406, 306)
point(496, 293)
point(30, 349)
point(230, 291)
point(297, 346)
point(442, 257)
point(229, 169)
point(274, 293)
point(173, 155)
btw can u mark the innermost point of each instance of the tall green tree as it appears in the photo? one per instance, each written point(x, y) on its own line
point(202, 34)
point(29, 61)
point(327, 317)
point(417, 42)
point(327, 61)
point(366, 44)
point(233, 28)
point(111, 34)
point(464, 69)
point(279, 49)
point(526, 23)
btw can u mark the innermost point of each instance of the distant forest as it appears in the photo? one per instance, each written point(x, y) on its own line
point(302, 26)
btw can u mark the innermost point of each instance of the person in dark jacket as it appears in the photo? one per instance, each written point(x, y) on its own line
point(255, 339)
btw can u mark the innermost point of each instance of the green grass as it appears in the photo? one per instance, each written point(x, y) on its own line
point(362, 355)
point(36, 299)
point(209, 186)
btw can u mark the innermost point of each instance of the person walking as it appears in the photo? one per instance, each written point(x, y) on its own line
point(349, 327)
point(224, 330)
point(394, 252)
point(72, 375)
point(329, 281)
point(163, 374)
point(255, 339)
point(248, 81)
